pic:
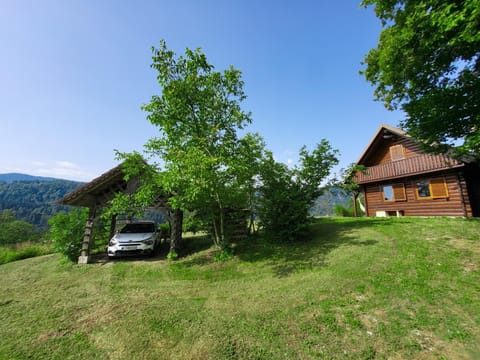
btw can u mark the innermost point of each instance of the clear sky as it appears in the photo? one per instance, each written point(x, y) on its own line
point(74, 74)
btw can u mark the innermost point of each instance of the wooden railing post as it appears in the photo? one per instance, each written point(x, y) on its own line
point(355, 209)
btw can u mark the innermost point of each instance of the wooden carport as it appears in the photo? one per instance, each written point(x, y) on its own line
point(98, 192)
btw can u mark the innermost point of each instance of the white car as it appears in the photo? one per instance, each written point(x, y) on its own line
point(136, 238)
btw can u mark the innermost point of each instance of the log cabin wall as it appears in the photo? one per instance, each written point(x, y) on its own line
point(383, 154)
point(456, 204)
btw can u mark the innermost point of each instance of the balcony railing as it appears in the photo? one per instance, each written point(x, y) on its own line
point(411, 166)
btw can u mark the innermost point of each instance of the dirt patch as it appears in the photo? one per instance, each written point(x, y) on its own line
point(463, 244)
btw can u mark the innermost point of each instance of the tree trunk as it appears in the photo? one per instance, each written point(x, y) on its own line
point(176, 230)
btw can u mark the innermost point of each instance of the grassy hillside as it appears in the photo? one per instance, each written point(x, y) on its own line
point(361, 289)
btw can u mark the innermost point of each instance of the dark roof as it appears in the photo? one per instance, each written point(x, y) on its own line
point(97, 191)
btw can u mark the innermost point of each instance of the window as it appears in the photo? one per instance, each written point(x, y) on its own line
point(431, 189)
point(423, 189)
point(397, 152)
point(388, 193)
point(394, 192)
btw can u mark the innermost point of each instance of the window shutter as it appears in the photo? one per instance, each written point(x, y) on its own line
point(438, 188)
point(399, 192)
point(396, 152)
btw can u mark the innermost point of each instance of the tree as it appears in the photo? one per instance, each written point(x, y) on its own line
point(287, 195)
point(16, 231)
point(348, 185)
point(198, 158)
point(427, 63)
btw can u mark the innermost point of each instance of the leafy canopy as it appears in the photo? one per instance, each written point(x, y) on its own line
point(198, 157)
point(202, 163)
point(427, 63)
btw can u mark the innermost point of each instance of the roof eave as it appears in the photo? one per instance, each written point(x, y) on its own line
point(382, 127)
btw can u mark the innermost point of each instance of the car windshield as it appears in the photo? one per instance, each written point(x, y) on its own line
point(138, 228)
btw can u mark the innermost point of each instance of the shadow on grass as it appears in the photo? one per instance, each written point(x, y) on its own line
point(190, 245)
point(194, 245)
point(326, 235)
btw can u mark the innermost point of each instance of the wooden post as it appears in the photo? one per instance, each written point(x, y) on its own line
point(87, 237)
point(113, 224)
point(355, 209)
point(363, 190)
point(462, 198)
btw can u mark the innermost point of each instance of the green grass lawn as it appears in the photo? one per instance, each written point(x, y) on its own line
point(360, 289)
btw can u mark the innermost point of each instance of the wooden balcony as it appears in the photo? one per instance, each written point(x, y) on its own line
point(420, 164)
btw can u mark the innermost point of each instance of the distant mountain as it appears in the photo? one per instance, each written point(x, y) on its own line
point(33, 198)
point(12, 177)
point(325, 204)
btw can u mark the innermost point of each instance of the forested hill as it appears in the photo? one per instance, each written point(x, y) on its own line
point(13, 177)
point(34, 201)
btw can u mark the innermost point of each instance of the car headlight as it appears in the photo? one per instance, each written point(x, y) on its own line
point(113, 242)
point(149, 241)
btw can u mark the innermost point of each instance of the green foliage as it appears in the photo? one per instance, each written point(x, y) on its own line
point(341, 210)
point(8, 254)
point(347, 179)
point(172, 255)
point(427, 62)
point(16, 231)
point(164, 228)
point(34, 201)
point(192, 223)
point(66, 232)
point(287, 195)
point(223, 255)
point(206, 167)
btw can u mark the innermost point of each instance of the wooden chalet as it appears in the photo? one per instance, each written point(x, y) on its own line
point(402, 180)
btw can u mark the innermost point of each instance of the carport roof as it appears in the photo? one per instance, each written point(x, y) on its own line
point(98, 191)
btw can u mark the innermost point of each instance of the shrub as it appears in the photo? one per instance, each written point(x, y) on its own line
point(66, 232)
point(164, 228)
point(287, 194)
point(343, 211)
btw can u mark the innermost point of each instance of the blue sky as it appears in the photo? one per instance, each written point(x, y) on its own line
point(74, 74)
